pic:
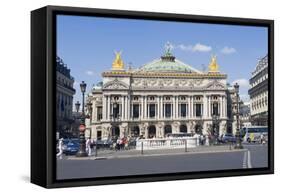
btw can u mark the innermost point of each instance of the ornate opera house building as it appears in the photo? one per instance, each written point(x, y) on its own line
point(163, 96)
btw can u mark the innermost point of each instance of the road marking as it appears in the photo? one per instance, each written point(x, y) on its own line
point(245, 159)
point(249, 159)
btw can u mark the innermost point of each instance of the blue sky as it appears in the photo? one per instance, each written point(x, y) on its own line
point(87, 45)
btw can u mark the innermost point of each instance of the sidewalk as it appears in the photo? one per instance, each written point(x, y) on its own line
point(110, 154)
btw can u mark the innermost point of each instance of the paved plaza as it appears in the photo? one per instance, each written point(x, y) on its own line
point(132, 162)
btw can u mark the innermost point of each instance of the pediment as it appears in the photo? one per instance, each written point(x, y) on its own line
point(115, 84)
point(214, 85)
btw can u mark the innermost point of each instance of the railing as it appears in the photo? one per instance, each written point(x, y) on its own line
point(167, 143)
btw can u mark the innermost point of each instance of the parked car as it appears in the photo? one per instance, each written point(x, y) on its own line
point(70, 146)
point(103, 143)
point(228, 138)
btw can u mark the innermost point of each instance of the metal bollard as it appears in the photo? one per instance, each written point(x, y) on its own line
point(96, 153)
point(185, 145)
point(142, 148)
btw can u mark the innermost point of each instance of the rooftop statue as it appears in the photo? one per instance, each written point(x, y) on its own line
point(118, 62)
point(213, 66)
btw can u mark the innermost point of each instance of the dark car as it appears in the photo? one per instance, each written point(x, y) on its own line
point(103, 143)
point(70, 146)
point(228, 138)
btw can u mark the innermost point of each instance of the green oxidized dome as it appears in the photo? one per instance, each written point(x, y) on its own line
point(168, 63)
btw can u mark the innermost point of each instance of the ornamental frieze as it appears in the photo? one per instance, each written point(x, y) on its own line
point(141, 83)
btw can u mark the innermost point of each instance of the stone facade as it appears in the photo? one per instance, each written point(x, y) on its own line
point(161, 97)
point(259, 93)
point(64, 97)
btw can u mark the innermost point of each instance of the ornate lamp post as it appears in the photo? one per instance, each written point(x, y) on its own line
point(77, 106)
point(115, 118)
point(216, 121)
point(82, 148)
point(238, 139)
point(89, 116)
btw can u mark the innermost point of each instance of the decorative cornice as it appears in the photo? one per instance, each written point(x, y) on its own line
point(157, 74)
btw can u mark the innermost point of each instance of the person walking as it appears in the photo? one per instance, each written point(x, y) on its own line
point(262, 139)
point(118, 143)
point(60, 145)
point(88, 147)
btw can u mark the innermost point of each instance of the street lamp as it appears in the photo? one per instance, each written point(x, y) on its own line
point(114, 117)
point(89, 116)
point(238, 139)
point(215, 120)
point(82, 147)
point(77, 106)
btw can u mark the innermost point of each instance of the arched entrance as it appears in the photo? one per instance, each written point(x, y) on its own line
point(167, 129)
point(183, 129)
point(151, 131)
point(198, 128)
point(115, 132)
point(135, 131)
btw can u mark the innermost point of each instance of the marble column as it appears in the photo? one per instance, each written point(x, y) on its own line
point(209, 105)
point(161, 107)
point(126, 108)
point(158, 107)
point(123, 108)
point(222, 107)
point(187, 110)
point(164, 116)
point(225, 107)
point(174, 107)
point(177, 107)
point(189, 105)
point(142, 107)
point(221, 112)
point(139, 110)
point(104, 107)
point(145, 107)
point(108, 107)
point(205, 106)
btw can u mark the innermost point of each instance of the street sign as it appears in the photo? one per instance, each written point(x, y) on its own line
point(82, 128)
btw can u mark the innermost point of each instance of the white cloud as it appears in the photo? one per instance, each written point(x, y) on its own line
point(243, 83)
point(198, 47)
point(201, 48)
point(89, 72)
point(228, 50)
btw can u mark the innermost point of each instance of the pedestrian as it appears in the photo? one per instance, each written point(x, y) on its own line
point(127, 143)
point(88, 147)
point(60, 145)
point(201, 139)
point(262, 139)
point(207, 142)
point(118, 142)
point(122, 142)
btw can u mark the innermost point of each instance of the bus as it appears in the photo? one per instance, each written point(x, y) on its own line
point(254, 133)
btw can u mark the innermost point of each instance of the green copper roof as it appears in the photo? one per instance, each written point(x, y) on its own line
point(168, 63)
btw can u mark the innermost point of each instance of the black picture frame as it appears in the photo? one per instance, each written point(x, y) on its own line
point(43, 90)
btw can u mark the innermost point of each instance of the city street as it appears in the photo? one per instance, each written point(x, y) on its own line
point(164, 161)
